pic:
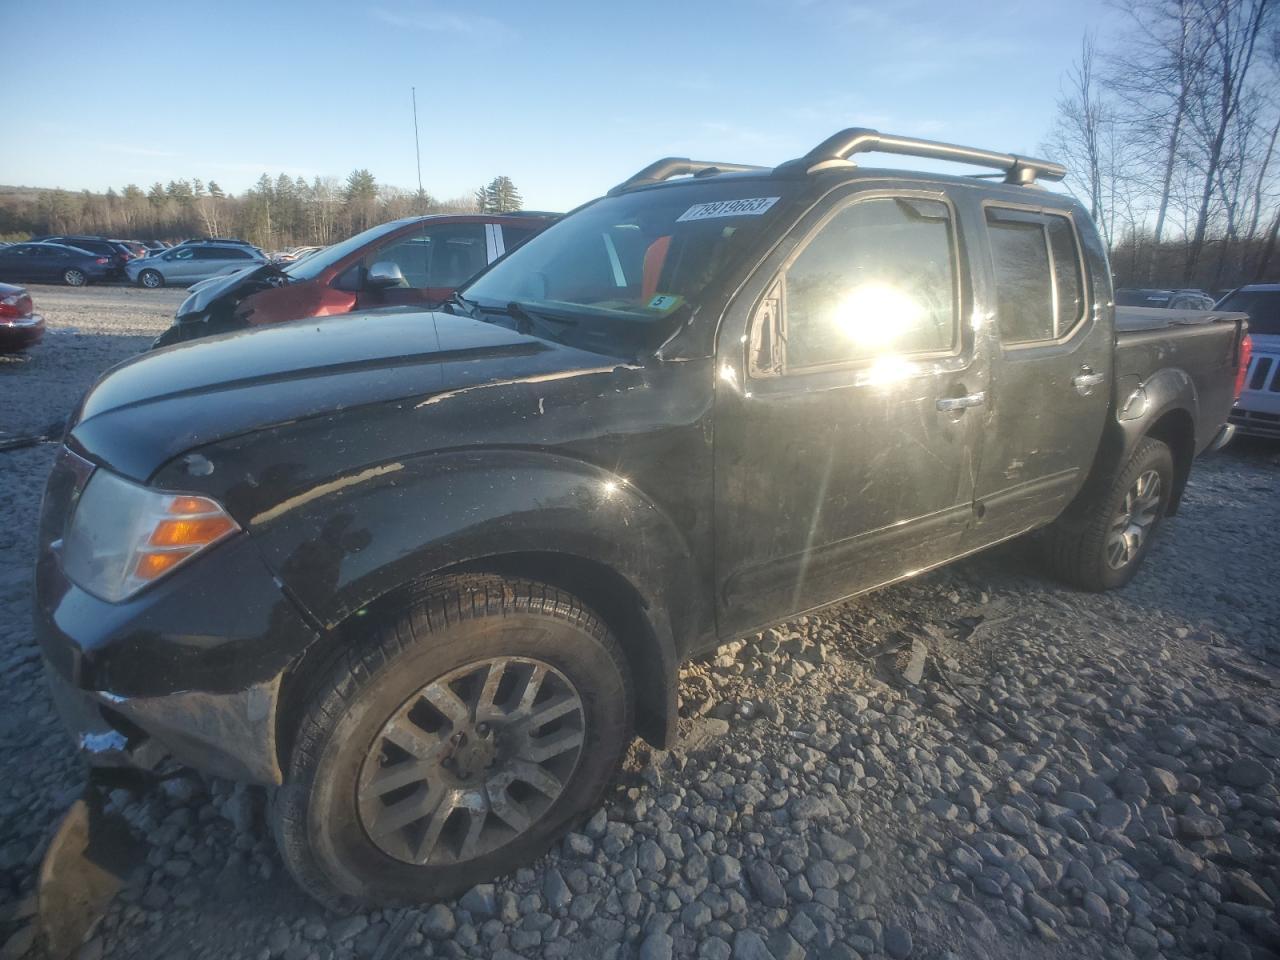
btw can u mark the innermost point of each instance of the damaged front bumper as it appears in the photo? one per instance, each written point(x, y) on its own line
point(187, 672)
point(228, 735)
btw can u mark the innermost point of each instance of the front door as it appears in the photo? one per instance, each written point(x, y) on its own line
point(1053, 382)
point(847, 409)
point(435, 260)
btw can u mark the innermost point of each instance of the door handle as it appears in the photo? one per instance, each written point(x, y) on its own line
point(953, 404)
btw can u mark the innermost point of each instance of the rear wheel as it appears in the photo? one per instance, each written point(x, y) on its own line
point(1099, 544)
point(456, 744)
point(152, 279)
point(74, 278)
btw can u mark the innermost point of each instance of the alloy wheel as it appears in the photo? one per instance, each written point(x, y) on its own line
point(471, 761)
point(74, 278)
point(1134, 521)
point(150, 279)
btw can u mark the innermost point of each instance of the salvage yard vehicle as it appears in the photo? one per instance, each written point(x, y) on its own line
point(53, 263)
point(415, 261)
point(426, 574)
point(20, 325)
point(1257, 411)
point(187, 263)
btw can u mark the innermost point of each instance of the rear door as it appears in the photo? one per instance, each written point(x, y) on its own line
point(848, 405)
point(211, 261)
point(1052, 349)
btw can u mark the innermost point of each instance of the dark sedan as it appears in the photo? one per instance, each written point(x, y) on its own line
point(116, 251)
point(53, 263)
point(20, 325)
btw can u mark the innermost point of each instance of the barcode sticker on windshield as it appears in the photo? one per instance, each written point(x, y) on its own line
point(749, 207)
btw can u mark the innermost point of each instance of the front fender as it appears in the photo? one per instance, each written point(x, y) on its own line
point(347, 542)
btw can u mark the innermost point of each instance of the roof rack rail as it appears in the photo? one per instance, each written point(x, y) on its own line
point(836, 150)
point(669, 167)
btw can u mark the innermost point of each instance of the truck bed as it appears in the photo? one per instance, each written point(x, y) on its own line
point(1199, 345)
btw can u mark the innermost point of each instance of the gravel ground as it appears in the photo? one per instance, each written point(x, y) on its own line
point(1070, 775)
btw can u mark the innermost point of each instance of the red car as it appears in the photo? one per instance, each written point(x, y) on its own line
point(20, 325)
point(418, 261)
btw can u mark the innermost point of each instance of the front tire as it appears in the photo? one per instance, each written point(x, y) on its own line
point(74, 278)
point(456, 743)
point(1099, 544)
point(151, 279)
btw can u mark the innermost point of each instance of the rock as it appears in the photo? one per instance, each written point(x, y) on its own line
point(439, 923)
point(1199, 827)
point(897, 942)
point(912, 662)
point(1247, 890)
point(748, 945)
point(1011, 819)
point(1114, 814)
point(1162, 782)
point(726, 871)
point(480, 901)
point(347, 927)
point(556, 891)
point(767, 885)
point(651, 858)
point(1246, 773)
point(783, 946)
point(657, 946)
point(579, 845)
point(1144, 944)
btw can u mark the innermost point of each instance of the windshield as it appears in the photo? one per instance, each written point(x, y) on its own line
point(619, 274)
point(313, 266)
point(1262, 306)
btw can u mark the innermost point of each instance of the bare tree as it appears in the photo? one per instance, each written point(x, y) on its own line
point(1234, 27)
point(1084, 135)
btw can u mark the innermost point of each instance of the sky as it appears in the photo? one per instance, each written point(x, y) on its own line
point(566, 98)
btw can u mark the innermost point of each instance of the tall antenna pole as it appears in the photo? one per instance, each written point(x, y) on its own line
point(416, 146)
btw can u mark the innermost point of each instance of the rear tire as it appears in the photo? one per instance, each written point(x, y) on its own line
point(74, 278)
point(1099, 544)
point(151, 279)
point(362, 819)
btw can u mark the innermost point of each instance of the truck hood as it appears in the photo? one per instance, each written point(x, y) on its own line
point(206, 292)
point(156, 406)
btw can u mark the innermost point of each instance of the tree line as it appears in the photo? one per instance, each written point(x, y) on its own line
point(274, 213)
point(1169, 132)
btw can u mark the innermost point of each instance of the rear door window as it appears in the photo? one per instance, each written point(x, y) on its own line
point(1039, 281)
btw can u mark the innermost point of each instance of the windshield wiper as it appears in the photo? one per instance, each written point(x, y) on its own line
point(456, 299)
point(527, 321)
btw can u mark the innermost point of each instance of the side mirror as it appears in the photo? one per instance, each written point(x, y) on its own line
point(384, 274)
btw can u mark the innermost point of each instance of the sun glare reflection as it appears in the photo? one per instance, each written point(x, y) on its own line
point(876, 315)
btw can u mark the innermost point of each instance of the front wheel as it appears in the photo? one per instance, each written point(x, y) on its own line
point(151, 279)
point(74, 278)
point(1099, 544)
point(456, 743)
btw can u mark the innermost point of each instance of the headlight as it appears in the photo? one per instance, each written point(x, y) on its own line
point(124, 536)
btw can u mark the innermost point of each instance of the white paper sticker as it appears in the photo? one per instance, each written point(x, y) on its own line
point(749, 207)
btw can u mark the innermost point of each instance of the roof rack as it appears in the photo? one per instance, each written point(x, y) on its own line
point(836, 150)
point(669, 167)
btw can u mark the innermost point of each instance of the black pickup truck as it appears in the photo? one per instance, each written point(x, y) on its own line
point(427, 573)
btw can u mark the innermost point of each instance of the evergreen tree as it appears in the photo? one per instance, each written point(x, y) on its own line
point(498, 196)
